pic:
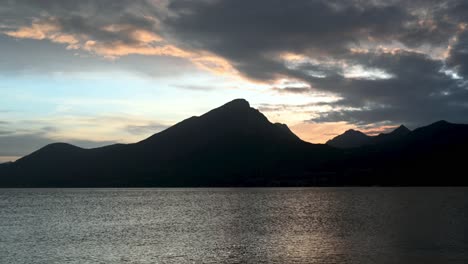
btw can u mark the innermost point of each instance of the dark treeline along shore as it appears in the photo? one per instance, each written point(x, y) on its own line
point(236, 145)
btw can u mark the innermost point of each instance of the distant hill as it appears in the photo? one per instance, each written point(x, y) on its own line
point(236, 145)
point(353, 139)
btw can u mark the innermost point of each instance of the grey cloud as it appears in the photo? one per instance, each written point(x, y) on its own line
point(293, 90)
point(253, 34)
point(418, 93)
point(49, 129)
point(458, 57)
point(145, 129)
point(25, 56)
point(90, 19)
point(85, 17)
point(195, 87)
point(24, 144)
point(290, 107)
point(236, 29)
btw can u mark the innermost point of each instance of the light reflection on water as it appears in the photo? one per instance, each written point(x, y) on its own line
point(265, 225)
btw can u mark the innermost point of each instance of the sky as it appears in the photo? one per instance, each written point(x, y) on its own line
point(93, 73)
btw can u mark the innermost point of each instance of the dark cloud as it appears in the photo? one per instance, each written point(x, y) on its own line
point(401, 78)
point(418, 93)
point(458, 57)
point(305, 108)
point(293, 90)
point(389, 61)
point(251, 33)
point(84, 17)
point(238, 29)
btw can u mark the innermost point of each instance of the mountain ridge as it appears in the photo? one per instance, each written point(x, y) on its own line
point(236, 145)
point(354, 138)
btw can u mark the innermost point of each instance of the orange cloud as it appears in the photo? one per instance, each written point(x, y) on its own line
point(213, 63)
point(145, 43)
point(45, 30)
point(203, 60)
point(35, 31)
point(118, 49)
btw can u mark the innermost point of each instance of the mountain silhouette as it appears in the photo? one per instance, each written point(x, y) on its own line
point(354, 139)
point(230, 145)
point(236, 145)
point(399, 131)
point(350, 139)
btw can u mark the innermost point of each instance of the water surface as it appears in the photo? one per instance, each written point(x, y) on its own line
point(265, 225)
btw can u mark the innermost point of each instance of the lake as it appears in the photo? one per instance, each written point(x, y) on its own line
point(251, 225)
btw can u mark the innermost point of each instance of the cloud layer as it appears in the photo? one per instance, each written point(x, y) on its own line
point(388, 61)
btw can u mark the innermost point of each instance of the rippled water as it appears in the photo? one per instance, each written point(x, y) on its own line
point(311, 225)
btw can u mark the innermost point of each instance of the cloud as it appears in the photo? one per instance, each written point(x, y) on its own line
point(145, 129)
point(292, 90)
point(195, 87)
point(28, 56)
point(421, 92)
point(21, 137)
point(23, 144)
point(111, 29)
point(458, 54)
point(18, 141)
point(388, 61)
point(5, 132)
point(77, 130)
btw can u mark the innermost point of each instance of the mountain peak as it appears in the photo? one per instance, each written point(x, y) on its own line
point(349, 139)
point(401, 130)
point(225, 125)
point(441, 122)
point(353, 132)
point(237, 103)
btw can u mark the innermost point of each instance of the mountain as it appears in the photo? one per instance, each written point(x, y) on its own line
point(400, 131)
point(236, 145)
point(350, 139)
point(397, 134)
point(429, 155)
point(230, 145)
point(354, 139)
